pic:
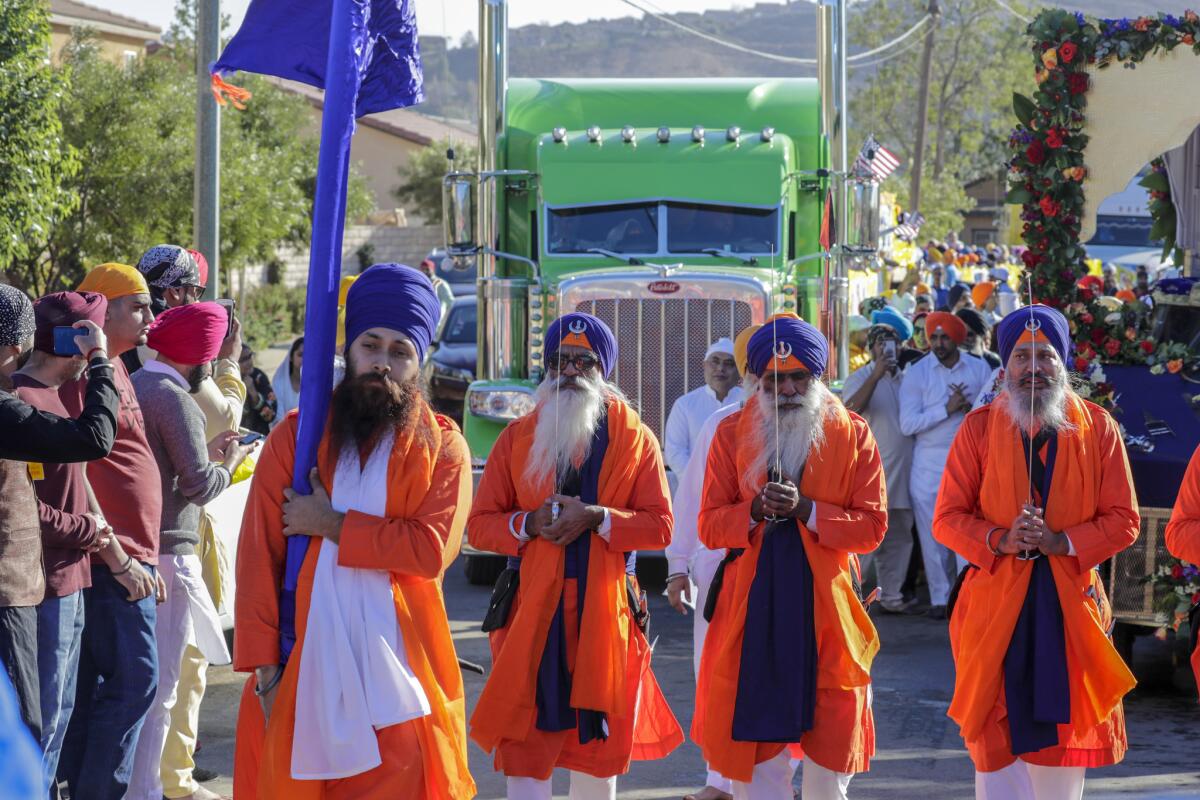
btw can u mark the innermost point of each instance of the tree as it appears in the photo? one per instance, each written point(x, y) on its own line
point(422, 187)
point(134, 129)
point(34, 163)
point(979, 61)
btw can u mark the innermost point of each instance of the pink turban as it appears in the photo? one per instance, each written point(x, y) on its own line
point(190, 334)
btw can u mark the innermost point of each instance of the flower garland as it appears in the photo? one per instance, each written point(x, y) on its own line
point(1047, 170)
point(1161, 207)
point(1176, 586)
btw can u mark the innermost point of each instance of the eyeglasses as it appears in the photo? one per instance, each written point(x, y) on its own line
point(581, 363)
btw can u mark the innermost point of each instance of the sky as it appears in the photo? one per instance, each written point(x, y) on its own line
point(450, 17)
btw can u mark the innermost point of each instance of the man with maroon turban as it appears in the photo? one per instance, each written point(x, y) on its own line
point(935, 395)
point(192, 472)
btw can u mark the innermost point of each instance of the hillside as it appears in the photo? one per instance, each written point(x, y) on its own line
point(632, 47)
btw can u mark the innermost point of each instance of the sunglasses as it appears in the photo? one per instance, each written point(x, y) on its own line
point(581, 363)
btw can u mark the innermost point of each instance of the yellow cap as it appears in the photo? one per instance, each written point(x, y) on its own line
point(114, 280)
point(739, 347)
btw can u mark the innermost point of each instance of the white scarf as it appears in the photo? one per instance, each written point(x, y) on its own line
point(354, 673)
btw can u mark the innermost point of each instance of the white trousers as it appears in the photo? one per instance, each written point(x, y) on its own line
point(939, 561)
point(772, 780)
point(186, 616)
point(703, 569)
point(1022, 781)
point(892, 556)
point(583, 787)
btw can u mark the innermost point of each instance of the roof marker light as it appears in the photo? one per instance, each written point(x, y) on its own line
point(664, 134)
point(628, 134)
point(593, 133)
point(560, 134)
point(733, 133)
point(698, 134)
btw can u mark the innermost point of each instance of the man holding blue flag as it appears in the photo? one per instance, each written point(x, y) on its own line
point(1036, 494)
point(370, 702)
point(794, 489)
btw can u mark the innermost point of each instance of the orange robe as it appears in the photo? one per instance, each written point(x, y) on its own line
point(1183, 531)
point(421, 535)
point(1092, 501)
point(608, 656)
point(844, 478)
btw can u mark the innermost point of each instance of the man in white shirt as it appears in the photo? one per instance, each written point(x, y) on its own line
point(873, 391)
point(691, 410)
point(691, 565)
point(935, 395)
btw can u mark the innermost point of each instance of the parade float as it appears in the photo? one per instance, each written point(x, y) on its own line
point(1078, 141)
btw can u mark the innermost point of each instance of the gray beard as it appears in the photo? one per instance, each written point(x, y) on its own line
point(801, 429)
point(1044, 409)
point(567, 421)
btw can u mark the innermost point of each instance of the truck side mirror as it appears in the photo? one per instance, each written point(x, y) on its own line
point(458, 217)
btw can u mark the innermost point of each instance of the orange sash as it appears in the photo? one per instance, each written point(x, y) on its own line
point(420, 612)
point(846, 640)
point(507, 708)
point(983, 627)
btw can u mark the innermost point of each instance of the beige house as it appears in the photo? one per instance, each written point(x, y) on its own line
point(121, 38)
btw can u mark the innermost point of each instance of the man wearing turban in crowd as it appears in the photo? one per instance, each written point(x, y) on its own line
point(356, 692)
point(1036, 495)
point(1183, 541)
point(192, 471)
point(570, 492)
point(935, 395)
point(691, 565)
point(794, 489)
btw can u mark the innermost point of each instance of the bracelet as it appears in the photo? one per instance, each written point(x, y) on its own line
point(100, 350)
point(128, 565)
point(676, 575)
point(988, 541)
point(271, 684)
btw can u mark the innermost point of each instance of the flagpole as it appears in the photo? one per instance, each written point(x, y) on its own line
point(325, 256)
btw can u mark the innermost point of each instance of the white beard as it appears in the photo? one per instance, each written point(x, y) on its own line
point(1047, 409)
point(567, 420)
point(801, 428)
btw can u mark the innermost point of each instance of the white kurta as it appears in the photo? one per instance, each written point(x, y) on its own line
point(354, 672)
point(924, 392)
point(685, 420)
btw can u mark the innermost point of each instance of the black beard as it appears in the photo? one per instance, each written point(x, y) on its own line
point(24, 357)
point(364, 407)
point(195, 378)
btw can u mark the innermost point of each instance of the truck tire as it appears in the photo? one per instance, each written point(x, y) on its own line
point(483, 570)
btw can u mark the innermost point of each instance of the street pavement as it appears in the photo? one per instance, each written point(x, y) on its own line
point(919, 753)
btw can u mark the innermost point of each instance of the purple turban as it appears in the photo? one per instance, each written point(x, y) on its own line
point(396, 297)
point(65, 308)
point(1033, 323)
point(799, 345)
point(583, 330)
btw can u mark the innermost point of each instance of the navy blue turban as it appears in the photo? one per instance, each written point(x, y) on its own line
point(799, 345)
point(396, 297)
point(582, 330)
point(1048, 325)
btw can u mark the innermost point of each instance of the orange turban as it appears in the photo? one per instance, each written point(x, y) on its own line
point(1126, 296)
point(114, 280)
point(981, 291)
point(949, 324)
point(739, 347)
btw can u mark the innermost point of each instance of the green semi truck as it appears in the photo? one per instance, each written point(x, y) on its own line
point(677, 211)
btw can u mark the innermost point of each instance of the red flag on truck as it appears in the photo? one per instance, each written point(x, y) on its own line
point(826, 238)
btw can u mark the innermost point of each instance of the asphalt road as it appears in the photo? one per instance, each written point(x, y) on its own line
point(919, 753)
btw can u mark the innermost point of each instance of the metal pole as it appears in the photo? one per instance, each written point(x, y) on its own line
point(206, 215)
point(840, 284)
point(914, 190)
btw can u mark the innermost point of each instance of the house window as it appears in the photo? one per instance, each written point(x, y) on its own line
point(979, 237)
point(130, 56)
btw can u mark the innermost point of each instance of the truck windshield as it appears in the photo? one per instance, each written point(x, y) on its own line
point(631, 228)
point(696, 228)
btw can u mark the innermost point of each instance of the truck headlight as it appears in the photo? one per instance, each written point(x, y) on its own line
point(501, 405)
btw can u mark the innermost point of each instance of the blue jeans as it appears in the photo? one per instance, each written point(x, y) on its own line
point(118, 675)
point(60, 636)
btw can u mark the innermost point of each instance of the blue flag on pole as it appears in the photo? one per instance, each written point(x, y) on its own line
point(364, 54)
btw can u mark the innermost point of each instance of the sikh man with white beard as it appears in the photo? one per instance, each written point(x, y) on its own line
point(570, 493)
point(1036, 494)
point(794, 489)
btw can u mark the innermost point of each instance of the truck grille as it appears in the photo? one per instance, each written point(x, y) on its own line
point(661, 344)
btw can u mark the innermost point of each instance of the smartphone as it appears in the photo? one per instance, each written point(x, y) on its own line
point(250, 438)
point(230, 307)
point(889, 349)
point(65, 343)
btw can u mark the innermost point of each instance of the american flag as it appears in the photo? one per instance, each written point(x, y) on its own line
point(875, 161)
point(910, 226)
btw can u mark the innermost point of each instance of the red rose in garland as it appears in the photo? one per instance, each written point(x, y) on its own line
point(1048, 206)
point(1147, 347)
point(1036, 153)
point(1066, 52)
point(1081, 364)
point(1112, 347)
point(1054, 138)
point(1031, 258)
point(1098, 336)
point(1077, 82)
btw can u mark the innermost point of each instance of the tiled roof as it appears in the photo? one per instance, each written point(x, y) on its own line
point(82, 11)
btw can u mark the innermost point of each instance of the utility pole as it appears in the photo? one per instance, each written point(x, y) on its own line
point(206, 211)
point(914, 192)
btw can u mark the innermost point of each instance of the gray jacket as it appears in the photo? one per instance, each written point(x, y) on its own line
point(175, 430)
